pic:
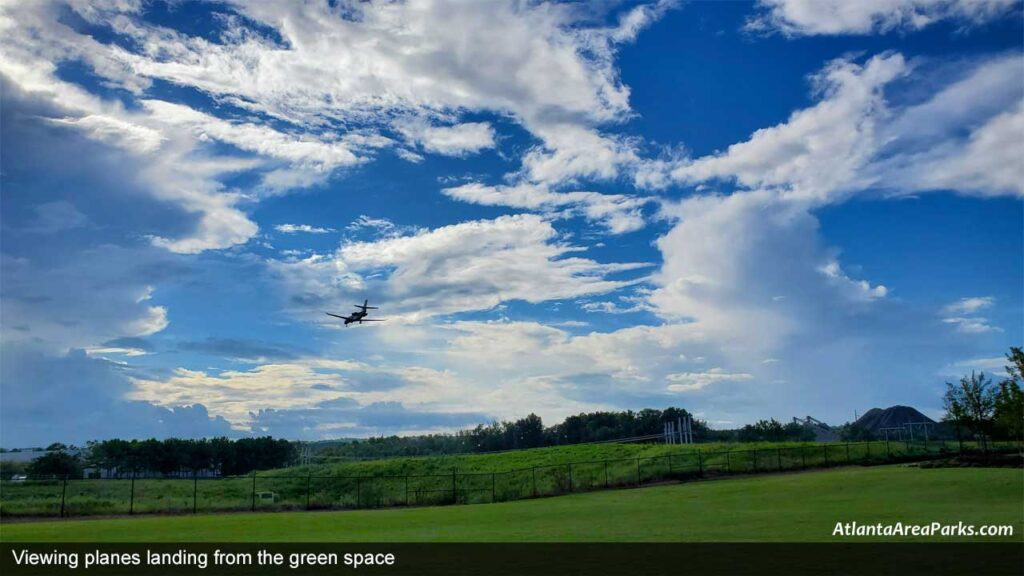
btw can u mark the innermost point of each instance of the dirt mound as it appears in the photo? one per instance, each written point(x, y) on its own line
point(875, 419)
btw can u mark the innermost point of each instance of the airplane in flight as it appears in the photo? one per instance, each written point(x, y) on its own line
point(359, 315)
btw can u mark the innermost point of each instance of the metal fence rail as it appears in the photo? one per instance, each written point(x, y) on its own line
point(64, 497)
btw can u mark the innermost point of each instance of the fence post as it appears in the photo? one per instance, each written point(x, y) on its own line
point(195, 491)
point(493, 491)
point(637, 471)
point(700, 462)
point(670, 465)
point(63, 491)
point(131, 497)
point(803, 456)
point(755, 459)
point(455, 494)
point(534, 481)
point(847, 453)
point(253, 491)
point(606, 474)
point(868, 447)
point(359, 491)
point(825, 447)
point(728, 462)
point(406, 489)
point(309, 481)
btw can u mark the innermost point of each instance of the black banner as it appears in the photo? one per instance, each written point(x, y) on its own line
point(500, 559)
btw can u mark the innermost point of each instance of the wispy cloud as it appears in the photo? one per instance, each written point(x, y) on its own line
point(304, 228)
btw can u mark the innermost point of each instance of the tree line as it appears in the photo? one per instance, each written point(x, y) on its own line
point(527, 432)
point(170, 457)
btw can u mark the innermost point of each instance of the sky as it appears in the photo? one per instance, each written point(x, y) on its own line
point(748, 210)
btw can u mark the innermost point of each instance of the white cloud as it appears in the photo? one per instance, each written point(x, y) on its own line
point(818, 152)
point(965, 138)
point(972, 324)
point(457, 140)
point(380, 226)
point(570, 153)
point(829, 17)
point(962, 314)
point(305, 228)
point(115, 131)
point(468, 266)
point(692, 381)
point(986, 162)
point(316, 153)
point(619, 213)
point(969, 305)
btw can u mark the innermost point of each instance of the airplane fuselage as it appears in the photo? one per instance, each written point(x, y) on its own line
point(355, 317)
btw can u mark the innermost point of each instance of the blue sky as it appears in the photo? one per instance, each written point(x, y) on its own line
point(750, 210)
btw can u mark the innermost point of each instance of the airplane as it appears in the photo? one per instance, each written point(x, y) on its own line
point(359, 315)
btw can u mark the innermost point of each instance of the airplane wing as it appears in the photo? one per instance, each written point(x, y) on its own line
point(336, 316)
point(373, 319)
point(362, 307)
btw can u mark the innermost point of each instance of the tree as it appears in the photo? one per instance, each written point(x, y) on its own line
point(971, 404)
point(763, 430)
point(56, 464)
point(1009, 399)
point(530, 431)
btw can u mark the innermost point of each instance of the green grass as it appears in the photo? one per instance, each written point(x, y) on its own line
point(518, 475)
point(798, 507)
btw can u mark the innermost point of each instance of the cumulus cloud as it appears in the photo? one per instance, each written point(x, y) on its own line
point(830, 17)
point(728, 260)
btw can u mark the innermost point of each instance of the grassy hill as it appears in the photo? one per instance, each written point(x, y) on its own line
point(798, 507)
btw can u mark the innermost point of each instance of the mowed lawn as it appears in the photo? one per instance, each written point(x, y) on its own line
point(785, 507)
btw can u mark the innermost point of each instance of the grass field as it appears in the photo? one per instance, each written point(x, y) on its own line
point(429, 480)
point(797, 507)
